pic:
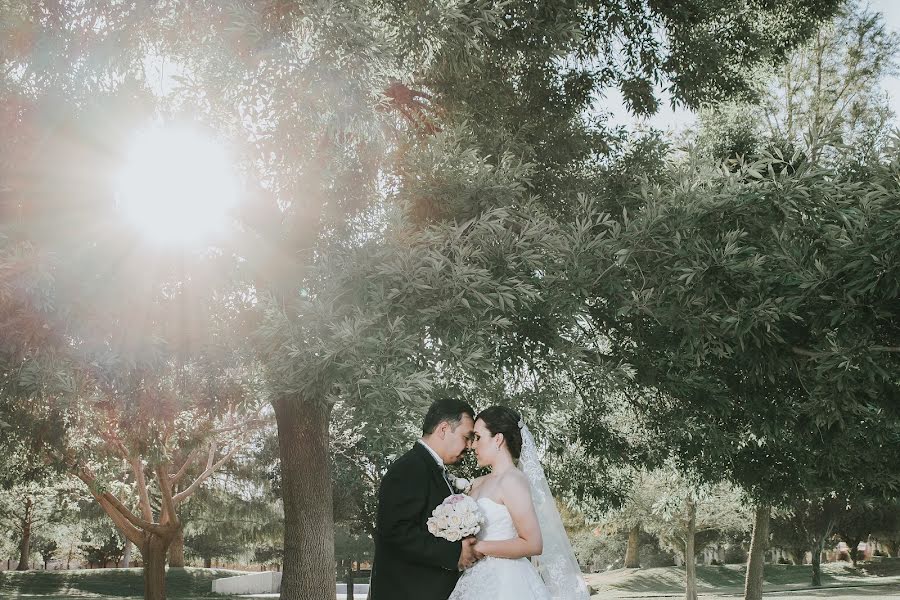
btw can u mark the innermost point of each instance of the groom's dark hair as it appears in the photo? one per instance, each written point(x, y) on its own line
point(446, 409)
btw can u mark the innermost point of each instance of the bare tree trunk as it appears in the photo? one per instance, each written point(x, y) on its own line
point(753, 585)
point(306, 489)
point(153, 552)
point(349, 579)
point(690, 571)
point(176, 550)
point(207, 562)
point(126, 558)
point(817, 548)
point(853, 550)
point(25, 544)
point(817, 566)
point(632, 560)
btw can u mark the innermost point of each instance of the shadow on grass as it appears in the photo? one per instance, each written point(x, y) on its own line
point(106, 583)
point(14, 583)
point(877, 567)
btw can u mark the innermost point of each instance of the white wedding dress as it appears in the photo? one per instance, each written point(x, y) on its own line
point(499, 578)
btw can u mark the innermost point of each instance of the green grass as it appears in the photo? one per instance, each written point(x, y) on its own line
point(730, 578)
point(106, 584)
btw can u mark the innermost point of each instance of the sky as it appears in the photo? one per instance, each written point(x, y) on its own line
point(668, 119)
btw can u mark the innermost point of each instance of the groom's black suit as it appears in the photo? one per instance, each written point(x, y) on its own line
point(410, 563)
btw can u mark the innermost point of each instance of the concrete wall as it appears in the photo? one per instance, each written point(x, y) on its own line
point(268, 582)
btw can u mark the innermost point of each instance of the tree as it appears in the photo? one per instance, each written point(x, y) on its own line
point(825, 101)
point(303, 89)
point(749, 352)
point(238, 509)
point(104, 551)
point(28, 510)
point(636, 512)
point(888, 530)
point(47, 549)
point(859, 520)
point(688, 516)
point(808, 527)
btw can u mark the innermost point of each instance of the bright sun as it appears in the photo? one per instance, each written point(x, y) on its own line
point(176, 186)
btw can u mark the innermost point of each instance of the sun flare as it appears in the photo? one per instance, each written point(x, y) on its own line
point(176, 186)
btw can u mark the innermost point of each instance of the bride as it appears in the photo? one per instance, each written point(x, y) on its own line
point(521, 521)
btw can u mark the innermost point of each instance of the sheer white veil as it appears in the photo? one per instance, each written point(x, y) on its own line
point(557, 564)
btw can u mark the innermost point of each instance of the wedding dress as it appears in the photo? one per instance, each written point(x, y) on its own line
point(554, 575)
point(499, 578)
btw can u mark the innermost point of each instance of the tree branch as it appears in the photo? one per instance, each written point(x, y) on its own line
point(210, 469)
point(806, 353)
point(115, 502)
point(812, 354)
point(183, 470)
point(138, 469)
point(168, 515)
point(128, 530)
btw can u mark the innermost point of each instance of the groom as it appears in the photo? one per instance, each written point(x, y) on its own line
point(410, 563)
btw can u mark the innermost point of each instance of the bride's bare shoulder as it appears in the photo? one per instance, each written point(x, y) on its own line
point(514, 479)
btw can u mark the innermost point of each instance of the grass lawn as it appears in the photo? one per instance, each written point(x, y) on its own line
point(780, 580)
point(106, 584)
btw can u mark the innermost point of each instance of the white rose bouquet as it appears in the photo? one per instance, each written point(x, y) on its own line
point(458, 516)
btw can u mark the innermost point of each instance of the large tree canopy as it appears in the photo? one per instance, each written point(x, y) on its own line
point(339, 113)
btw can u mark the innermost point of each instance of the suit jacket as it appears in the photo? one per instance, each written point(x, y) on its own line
point(410, 563)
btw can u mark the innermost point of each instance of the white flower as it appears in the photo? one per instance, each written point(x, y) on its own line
point(462, 483)
point(458, 517)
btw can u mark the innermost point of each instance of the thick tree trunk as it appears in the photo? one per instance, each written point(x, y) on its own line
point(25, 544)
point(207, 562)
point(690, 571)
point(632, 560)
point(176, 550)
point(126, 558)
point(153, 552)
point(306, 488)
point(753, 584)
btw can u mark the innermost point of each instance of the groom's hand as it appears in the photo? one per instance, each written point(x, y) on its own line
point(467, 556)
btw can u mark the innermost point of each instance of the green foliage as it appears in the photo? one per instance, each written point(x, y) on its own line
point(825, 101)
point(105, 552)
point(325, 295)
point(238, 510)
point(758, 309)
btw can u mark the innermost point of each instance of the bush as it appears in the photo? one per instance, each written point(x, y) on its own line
point(601, 552)
point(735, 554)
point(652, 556)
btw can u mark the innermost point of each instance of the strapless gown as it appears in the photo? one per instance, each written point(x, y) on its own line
point(499, 578)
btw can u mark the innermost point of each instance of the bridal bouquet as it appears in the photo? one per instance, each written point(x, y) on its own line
point(458, 516)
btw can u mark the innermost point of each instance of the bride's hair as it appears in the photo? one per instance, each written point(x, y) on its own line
point(500, 419)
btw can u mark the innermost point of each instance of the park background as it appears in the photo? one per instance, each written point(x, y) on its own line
point(244, 245)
